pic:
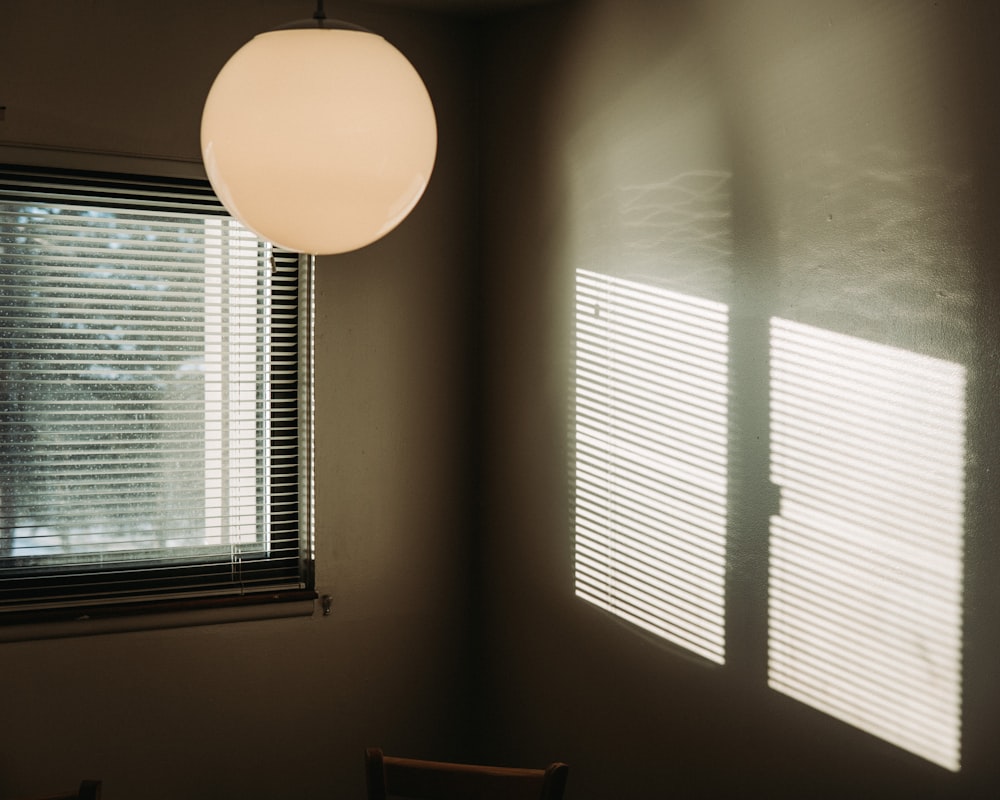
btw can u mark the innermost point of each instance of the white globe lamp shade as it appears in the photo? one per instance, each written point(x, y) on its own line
point(320, 139)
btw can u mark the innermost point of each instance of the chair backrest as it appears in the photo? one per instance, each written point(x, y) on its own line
point(390, 777)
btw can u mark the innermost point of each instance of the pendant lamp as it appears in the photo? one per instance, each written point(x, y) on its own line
point(319, 136)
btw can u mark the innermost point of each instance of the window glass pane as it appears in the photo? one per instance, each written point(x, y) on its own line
point(140, 333)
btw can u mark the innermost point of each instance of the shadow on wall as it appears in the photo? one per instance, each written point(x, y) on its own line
point(774, 326)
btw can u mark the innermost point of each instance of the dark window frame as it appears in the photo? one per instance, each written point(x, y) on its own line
point(195, 583)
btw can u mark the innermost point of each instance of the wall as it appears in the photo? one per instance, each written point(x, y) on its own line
point(829, 165)
point(279, 708)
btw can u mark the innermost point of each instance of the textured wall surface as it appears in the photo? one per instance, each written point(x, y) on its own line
point(823, 176)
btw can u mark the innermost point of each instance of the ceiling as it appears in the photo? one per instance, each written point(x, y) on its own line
point(463, 6)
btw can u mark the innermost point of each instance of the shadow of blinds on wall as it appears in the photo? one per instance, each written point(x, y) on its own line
point(866, 556)
point(651, 458)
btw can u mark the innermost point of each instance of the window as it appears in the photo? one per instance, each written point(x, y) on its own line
point(153, 445)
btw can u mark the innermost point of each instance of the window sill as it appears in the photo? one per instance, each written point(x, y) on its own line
point(96, 620)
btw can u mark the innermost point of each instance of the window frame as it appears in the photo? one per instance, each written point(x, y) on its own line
point(197, 594)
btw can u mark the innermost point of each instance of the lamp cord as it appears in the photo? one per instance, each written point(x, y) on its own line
point(320, 15)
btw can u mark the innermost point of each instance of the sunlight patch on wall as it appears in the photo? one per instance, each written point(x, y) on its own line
point(868, 449)
point(651, 458)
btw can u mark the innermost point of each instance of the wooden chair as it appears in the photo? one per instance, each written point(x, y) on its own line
point(89, 790)
point(389, 777)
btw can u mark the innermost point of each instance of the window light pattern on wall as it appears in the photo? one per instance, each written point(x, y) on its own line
point(650, 458)
point(866, 555)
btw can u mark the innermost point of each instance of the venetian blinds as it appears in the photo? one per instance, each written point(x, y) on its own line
point(149, 437)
